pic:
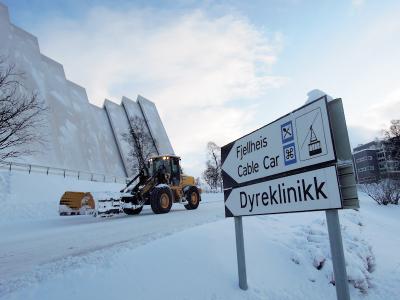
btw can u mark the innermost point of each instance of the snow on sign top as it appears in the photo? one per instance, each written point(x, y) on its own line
point(297, 140)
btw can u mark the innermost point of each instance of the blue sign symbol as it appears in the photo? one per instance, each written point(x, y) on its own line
point(287, 132)
point(289, 154)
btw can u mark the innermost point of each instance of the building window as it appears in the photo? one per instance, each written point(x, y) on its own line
point(364, 158)
point(364, 169)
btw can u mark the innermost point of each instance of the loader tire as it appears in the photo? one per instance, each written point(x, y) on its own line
point(133, 211)
point(193, 198)
point(161, 200)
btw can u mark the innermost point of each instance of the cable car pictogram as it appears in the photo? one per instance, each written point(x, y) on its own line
point(311, 139)
point(314, 146)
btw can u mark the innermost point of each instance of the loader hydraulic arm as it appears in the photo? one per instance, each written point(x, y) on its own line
point(129, 183)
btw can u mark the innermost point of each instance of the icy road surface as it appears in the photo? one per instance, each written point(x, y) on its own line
point(26, 245)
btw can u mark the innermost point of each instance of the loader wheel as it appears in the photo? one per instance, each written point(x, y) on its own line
point(161, 200)
point(193, 198)
point(133, 211)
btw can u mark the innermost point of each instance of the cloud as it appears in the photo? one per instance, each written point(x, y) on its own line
point(357, 3)
point(360, 65)
point(191, 64)
point(359, 135)
point(380, 114)
point(375, 119)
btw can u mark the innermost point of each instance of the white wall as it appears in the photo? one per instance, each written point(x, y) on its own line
point(133, 110)
point(80, 136)
point(155, 125)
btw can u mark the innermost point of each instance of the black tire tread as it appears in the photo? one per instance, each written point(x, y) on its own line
point(133, 211)
point(190, 206)
point(155, 199)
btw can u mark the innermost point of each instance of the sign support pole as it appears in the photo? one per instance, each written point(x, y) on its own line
point(338, 261)
point(241, 259)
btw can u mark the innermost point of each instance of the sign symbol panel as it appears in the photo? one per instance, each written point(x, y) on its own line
point(310, 135)
point(287, 132)
point(289, 153)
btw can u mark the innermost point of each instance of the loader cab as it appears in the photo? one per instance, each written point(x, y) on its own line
point(168, 164)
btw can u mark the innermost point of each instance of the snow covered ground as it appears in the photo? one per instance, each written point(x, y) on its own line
point(186, 254)
point(29, 197)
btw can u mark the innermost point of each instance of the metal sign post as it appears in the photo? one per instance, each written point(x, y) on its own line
point(241, 259)
point(338, 261)
point(300, 162)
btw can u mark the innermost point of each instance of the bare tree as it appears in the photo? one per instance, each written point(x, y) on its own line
point(212, 174)
point(143, 146)
point(392, 142)
point(20, 114)
point(384, 192)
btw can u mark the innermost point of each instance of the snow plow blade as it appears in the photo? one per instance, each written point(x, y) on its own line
point(85, 203)
point(107, 207)
point(76, 203)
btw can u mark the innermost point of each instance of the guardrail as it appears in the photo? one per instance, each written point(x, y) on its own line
point(80, 175)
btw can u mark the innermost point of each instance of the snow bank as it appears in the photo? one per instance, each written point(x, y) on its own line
point(26, 197)
point(212, 197)
point(311, 244)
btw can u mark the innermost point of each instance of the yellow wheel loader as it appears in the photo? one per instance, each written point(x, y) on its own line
point(160, 183)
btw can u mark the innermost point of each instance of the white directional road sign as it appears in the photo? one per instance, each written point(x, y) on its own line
point(297, 140)
point(311, 190)
point(287, 166)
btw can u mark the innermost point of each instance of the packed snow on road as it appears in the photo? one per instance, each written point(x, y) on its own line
point(185, 254)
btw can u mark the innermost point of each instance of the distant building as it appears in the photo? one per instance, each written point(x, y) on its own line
point(372, 163)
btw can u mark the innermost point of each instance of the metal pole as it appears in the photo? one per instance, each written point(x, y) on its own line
point(241, 259)
point(338, 261)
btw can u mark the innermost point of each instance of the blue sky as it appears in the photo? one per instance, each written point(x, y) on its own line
point(226, 67)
